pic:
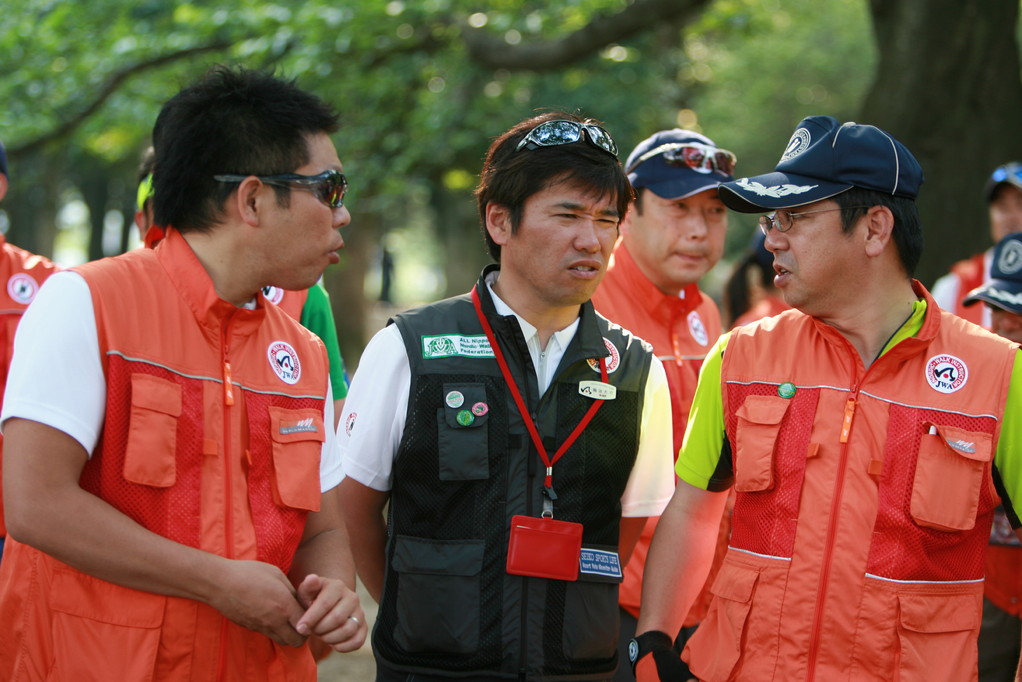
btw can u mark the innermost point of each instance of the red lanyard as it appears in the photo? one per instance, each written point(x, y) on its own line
point(524, 411)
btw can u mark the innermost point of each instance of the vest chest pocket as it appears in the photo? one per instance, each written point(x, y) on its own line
point(462, 433)
point(759, 421)
point(151, 454)
point(297, 437)
point(950, 471)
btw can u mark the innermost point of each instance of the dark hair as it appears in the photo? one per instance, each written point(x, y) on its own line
point(232, 120)
point(908, 230)
point(509, 177)
point(737, 296)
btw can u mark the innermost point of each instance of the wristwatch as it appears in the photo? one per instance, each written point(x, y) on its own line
point(647, 642)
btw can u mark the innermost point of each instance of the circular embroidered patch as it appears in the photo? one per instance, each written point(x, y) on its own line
point(22, 288)
point(946, 373)
point(612, 362)
point(273, 294)
point(798, 143)
point(697, 329)
point(284, 361)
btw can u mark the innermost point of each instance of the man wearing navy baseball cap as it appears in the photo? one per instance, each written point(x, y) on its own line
point(999, 638)
point(1003, 194)
point(671, 236)
point(867, 435)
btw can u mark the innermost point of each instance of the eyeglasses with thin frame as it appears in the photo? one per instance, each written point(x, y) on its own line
point(699, 157)
point(329, 186)
point(783, 219)
point(553, 133)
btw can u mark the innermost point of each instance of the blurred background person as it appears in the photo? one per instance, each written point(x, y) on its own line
point(23, 273)
point(749, 293)
point(1001, 630)
point(1003, 192)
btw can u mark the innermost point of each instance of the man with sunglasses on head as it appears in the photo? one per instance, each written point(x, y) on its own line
point(1003, 193)
point(173, 506)
point(867, 435)
point(520, 438)
point(671, 236)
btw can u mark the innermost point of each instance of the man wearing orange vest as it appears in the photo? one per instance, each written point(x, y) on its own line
point(310, 306)
point(23, 273)
point(173, 508)
point(868, 436)
point(1000, 638)
point(1003, 192)
point(671, 236)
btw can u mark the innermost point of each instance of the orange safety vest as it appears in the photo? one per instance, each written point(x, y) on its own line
point(21, 275)
point(681, 329)
point(212, 437)
point(863, 505)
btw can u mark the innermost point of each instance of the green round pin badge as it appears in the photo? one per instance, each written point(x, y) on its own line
point(465, 418)
point(786, 390)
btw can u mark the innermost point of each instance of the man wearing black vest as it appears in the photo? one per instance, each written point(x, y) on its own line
point(520, 438)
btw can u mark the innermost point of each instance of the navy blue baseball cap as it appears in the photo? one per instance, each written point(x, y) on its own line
point(677, 163)
point(3, 159)
point(1004, 288)
point(824, 158)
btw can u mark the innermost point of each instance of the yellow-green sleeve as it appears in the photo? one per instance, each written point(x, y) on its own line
point(704, 436)
point(1009, 447)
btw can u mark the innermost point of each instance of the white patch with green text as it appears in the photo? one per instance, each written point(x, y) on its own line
point(456, 345)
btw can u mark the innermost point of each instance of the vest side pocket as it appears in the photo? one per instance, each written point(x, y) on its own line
point(950, 472)
point(759, 421)
point(591, 615)
point(463, 434)
point(297, 437)
point(713, 651)
point(937, 636)
point(438, 590)
point(151, 454)
point(102, 630)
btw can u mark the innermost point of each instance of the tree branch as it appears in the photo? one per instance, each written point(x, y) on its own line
point(108, 89)
point(494, 52)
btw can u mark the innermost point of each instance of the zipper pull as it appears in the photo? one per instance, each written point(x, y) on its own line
point(228, 386)
point(846, 425)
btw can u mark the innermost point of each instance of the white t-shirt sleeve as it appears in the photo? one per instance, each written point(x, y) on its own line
point(56, 377)
point(945, 291)
point(651, 483)
point(330, 471)
point(370, 429)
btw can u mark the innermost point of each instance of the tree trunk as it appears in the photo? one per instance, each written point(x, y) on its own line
point(948, 87)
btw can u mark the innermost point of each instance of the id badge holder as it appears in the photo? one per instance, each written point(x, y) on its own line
point(544, 548)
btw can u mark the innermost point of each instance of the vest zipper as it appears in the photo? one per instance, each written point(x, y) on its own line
point(828, 551)
point(225, 347)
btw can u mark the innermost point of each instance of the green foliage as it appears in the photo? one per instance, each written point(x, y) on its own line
point(416, 109)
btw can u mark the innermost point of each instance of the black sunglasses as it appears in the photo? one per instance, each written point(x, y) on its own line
point(553, 133)
point(329, 186)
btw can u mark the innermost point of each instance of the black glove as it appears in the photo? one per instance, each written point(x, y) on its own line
point(669, 667)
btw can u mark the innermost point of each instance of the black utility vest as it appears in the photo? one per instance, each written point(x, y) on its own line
point(449, 607)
